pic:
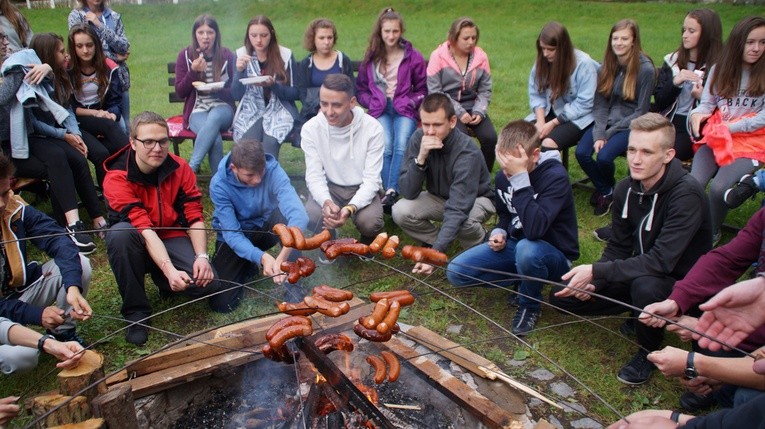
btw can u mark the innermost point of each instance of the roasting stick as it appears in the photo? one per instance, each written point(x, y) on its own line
point(478, 365)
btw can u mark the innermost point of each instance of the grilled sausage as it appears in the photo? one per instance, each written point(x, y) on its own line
point(336, 250)
point(325, 245)
point(378, 313)
point(287, 321)
point(378, 242)
point(285, 334)
point(332, 294)
point(389, 250)
point(285, 236)
point(390, 318)
point(295, 308)
point(297, 235)
point(379, 367)
point(317, 240)
point(331, 342)
point(394, 366)
point(306, 266)
point(371, 334)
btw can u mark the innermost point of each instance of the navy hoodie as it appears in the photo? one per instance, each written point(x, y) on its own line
point(539, 205)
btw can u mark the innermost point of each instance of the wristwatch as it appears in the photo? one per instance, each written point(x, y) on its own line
point(41, 342)
point(203, 256)
point(416, 162)
point(690, 369)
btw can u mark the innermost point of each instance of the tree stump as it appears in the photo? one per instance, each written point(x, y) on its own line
point(74, 411)
point(88, 371)
point(116, 407)
point(87, 424)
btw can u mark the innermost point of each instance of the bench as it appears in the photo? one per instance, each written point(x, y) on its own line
point(177, 133)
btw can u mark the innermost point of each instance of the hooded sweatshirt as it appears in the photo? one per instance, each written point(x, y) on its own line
point(613, 113)
point(470, 92)
point(539, 205)
point(456, 173)
point(660, 232)
point(411, 85)
point(749, 110)
point(347, 156)
point(240, 209)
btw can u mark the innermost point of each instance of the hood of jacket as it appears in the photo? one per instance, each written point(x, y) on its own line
point(673, 175)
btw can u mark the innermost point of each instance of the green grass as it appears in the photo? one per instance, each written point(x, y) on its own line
point(508, 31)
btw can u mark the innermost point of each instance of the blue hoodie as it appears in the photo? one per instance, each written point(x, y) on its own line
point(240, 208)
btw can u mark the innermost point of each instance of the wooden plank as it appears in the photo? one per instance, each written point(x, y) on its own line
point(178, 374)
point(481, 407)
point(453, 351)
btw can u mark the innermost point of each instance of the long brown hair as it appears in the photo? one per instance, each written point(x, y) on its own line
point(376, 49)
point(17, 20)
point(45, 46)
point(84, 4)
point(99, 60)
point(611, 66)
point(274, 63)
point(309, 38)
point(193, 50)
point(555, 75)
point(727, 77)
point(710, 41)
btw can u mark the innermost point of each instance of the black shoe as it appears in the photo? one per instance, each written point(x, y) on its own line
point(628, 328)
point(603, 205)
point(512, 300)
point(524, 321)
point(137, 334)
point(694, 403)
point(603, 234)
point(388, 200)
point(637, 370)
point(740, 192)
point(68, 335)
point(594, 198)
point(81, 238)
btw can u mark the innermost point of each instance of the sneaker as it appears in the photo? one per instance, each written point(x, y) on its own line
point(695, 404)
point(81, 238)
point(594, 198)
point(524, 321)
point(716, 237)
point(512, 300)
point(740, 192)
point(637, 370)
point(388, 200)
point(628, 328)
point(68, 335)
point(603, 234)
point(137, 334)
point(603, 205)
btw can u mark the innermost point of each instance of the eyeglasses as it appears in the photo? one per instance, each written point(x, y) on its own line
point(149, 144)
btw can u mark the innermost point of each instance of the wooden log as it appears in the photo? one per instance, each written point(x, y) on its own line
point(116, 408)
point(87, 424)
point(74, 411)
point(89, 370)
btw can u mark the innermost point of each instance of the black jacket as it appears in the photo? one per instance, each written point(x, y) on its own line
point(661, 232)
point(750, 415)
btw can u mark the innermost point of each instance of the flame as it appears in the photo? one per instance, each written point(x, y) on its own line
point(320, 378)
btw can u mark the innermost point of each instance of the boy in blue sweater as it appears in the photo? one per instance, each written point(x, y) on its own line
point(251, 192)
point(537, 233)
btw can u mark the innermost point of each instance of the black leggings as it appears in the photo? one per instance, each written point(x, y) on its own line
point(487, 138)
point(683, 144)
point(112, 140)
point(66, 179)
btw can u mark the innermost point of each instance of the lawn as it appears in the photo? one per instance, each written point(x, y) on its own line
point(508, 32)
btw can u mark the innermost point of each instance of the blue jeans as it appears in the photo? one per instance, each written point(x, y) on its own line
point(601, 169)
point(208, 126)
point(532, 258)
point(396, 131)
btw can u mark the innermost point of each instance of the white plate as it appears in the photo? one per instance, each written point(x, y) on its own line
point(255, 79)
point(210, 86)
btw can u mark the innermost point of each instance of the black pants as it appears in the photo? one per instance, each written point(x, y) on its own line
point(565, 135)
point(487, 138)
point(233, 267)
point(103, 137)
point(639, 292)
point(65, 169)
point(683, 144)
point(130, 261)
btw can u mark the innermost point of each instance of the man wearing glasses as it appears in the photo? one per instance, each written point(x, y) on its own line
point(155, 210)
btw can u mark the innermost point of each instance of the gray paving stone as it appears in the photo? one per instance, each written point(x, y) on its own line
point(586, 423)
point(542, 374)
point(562, 389)
point(535, 402)
point(555, 422)
point(569, 407)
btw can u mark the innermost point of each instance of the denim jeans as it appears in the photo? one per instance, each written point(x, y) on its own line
point(532, 258)
point(208, 126)
point(601, 169)
point(396, 132)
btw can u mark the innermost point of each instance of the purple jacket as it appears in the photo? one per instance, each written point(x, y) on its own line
point(411, 88)
point(184, 77)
